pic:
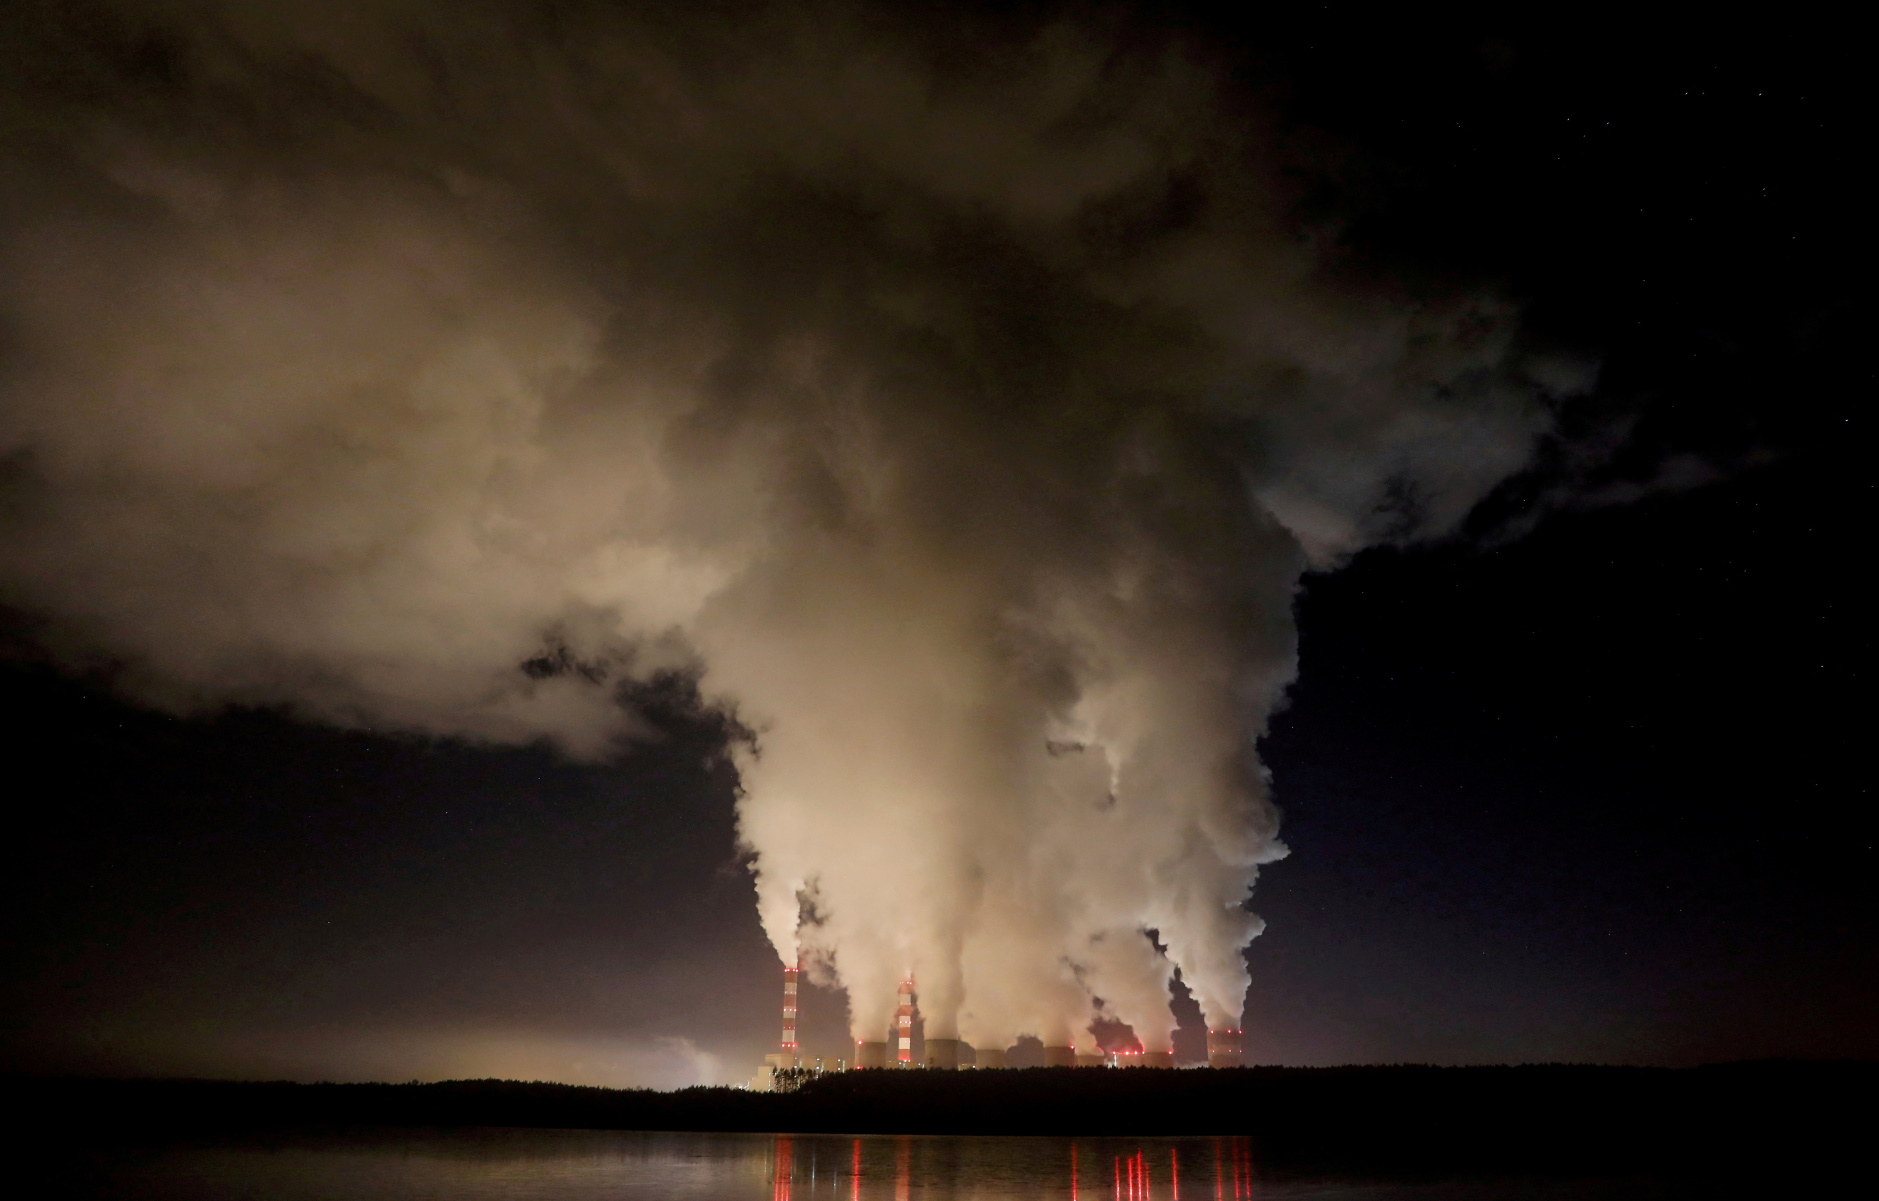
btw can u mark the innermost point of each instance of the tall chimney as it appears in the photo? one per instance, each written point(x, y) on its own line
point(789, 1010)
point(903, 1023)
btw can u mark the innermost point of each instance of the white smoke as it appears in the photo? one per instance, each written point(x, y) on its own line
point(956, 401)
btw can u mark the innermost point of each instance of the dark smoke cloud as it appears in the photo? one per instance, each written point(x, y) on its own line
point(956, 401)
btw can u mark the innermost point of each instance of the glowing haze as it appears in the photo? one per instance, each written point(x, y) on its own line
point(959, 405)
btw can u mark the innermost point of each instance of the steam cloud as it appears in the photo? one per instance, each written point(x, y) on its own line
point(958, 403)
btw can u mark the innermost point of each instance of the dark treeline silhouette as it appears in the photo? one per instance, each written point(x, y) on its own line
point(1531, 1119)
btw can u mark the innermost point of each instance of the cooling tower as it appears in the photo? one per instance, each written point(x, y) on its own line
point(947, 1054)
point(1223, 1049)
point(870, 1054)
point(1060, 1057)
point(1095, 1059)
point(988, 1057)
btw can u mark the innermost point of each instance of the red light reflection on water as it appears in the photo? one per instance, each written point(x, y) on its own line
point(1239, 1155)
point(1133, 1175)
point(1134, 1179)
point(785, 1167)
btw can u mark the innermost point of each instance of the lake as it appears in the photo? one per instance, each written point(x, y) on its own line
point(586, 1165)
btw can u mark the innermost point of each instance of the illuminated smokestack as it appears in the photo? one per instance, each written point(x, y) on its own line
point(903, 1024)
point(1223, 1049)
point(789, 1009)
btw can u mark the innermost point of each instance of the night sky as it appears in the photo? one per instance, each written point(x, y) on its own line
point(1577, 780)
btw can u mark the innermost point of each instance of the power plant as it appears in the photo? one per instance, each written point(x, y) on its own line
point(785, 1070)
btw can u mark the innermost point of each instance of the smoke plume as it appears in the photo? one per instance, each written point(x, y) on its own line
point(959, 402)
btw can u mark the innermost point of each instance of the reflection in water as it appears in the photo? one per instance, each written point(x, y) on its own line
point(1237, 1152)
point(1135, 1176)
point(574, 1165)
point(942, 1167)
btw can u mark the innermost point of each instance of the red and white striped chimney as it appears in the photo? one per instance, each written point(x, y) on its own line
point(789, 1009)
point(903, 1023)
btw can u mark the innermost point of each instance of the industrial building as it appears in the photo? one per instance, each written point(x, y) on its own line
point(1224, 1049)
point(785, 1070)
point(1139, 1059)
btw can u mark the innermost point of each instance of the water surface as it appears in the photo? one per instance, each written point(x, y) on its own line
point(586, 1165)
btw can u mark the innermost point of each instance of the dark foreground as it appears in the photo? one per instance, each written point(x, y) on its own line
point(1723, 1121)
